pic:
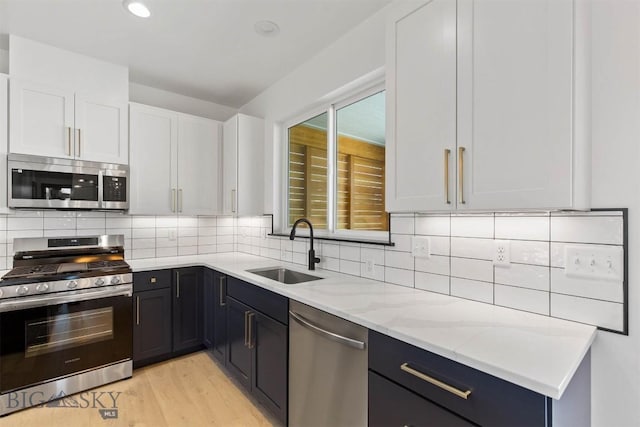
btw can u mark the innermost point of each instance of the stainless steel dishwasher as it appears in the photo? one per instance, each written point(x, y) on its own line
point(327, 369)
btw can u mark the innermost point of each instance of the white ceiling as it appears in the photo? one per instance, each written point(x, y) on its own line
point(206, 49)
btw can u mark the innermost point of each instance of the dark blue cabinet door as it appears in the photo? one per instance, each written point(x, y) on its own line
point(151, 324)
point(238, 351)
point(394, 406)
point(208, 308)
point(220, 317)
point(269, 384)
point(187, 309)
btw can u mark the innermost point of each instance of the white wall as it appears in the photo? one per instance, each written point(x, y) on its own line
point(616, 179)
point(172, 101)
point(4, 61)
point(616, 155)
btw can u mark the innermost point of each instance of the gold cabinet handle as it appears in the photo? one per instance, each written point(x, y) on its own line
point(173, 200)
point(461, 175)
point(447, 153)
point(79, 143)
point(462, 394)
point(180, 200)
point(68, 140)
point(250, 338)
point(222, 303)
point(246, 328)
point(137, 310)
point(177, 284)
point(153, 280)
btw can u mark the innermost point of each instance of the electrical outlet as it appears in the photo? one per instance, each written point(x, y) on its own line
point(172, 234)
point(369, 266)
point(283, 254)
point(421, 247)
point(502, 253)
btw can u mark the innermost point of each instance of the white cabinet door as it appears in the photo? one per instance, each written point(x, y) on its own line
point(230, 166)
point(198, 159)
point(421, 107)
point(515, 104)
point(4, 118)
point(41, 120)
point(153, 167)
point(101, 129)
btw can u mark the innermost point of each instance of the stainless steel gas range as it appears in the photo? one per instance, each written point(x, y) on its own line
point(65, 319)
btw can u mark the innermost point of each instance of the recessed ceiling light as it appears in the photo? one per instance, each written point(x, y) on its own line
point(267, 28)
point(137, 8)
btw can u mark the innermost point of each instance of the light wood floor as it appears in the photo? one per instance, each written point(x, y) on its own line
point(188, 391)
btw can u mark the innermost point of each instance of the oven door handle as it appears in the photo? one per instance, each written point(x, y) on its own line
point(14, 304)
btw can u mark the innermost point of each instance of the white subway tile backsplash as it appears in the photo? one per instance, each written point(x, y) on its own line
point(472, 248)
point(402, 260)
point(187, 231)
point(472, 269)
point(402, 242)
point(207, 221)
point(329, 263)
point(330, 250)
point(206, 240)
point(167, 221)
point(350, 252)
point(60, 223)
point(399, 276)
point(141, 253)
point(224, 240)
point(432, 282)
point(440, 245)
point(126, 232)
point(165, 242)
point(118, 221)
point(435, 264)
point(188, 241)
point(376, 274)
point(374, 255)
point(432, 225)
point(187, 221)
point(472, 226)
point(91, 222)
point(587, 229)
point(166, 251)
point(224, 221)
point(70, 232)
point(90, 231)
point(402, 224)
point(25, 223)
point(143, 222)
point(13, 233)
point(189, 250)
point(350, 267)
point(594, 288)
point(207, 231)
point(143, 233)
point(522, 299)
point(472, 289)
point(528, 252)
point(594, 312)
point(524, 276)
point(522, 227)
point(225, 231)
point(143, 243)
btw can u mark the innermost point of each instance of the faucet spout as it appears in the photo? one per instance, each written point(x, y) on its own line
point(313, 260)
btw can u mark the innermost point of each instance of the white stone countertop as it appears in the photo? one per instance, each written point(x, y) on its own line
point(537, 352)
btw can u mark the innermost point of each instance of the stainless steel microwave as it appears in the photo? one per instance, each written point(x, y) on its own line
point(51, 183)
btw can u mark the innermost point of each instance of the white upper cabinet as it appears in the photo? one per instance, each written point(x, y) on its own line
point(66, 105)
point(174, 162)
point(421, 106)
point(514, 119)
point(243, 166)
point(153, 172)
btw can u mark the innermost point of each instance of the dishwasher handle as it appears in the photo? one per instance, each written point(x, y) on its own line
point(360, 345)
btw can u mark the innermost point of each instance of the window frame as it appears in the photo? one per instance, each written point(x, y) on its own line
point(330, 106)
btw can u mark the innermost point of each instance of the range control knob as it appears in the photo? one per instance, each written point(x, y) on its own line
point(72, 284)
point(22, 290)
point(115, 280)
point(99, 281)
point(42, 287)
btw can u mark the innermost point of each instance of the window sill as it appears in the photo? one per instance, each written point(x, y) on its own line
point(341, 239)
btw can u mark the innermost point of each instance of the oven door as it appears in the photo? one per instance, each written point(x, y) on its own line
point(64, 335)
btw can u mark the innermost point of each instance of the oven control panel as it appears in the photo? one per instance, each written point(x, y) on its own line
point(39, 288)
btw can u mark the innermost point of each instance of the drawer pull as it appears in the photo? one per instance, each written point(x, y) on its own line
point(463, 394)
point(153, 280)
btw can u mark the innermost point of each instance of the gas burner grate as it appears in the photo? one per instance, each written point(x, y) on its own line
point(98, 265)
point(32, 270)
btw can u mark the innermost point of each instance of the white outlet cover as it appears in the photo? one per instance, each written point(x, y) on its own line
point(421, 247)
point(369, 266)
point(594, 262)
point(502, 253)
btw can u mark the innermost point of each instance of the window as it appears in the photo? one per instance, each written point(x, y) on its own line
point(336, 175)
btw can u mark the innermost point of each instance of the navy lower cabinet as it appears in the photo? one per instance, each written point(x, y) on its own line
point(152, 326)
point(220, 317)
point(411, 386)
point(257, 343)
point(187, 309)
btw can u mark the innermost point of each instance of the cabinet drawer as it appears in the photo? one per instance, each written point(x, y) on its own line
point(392, 405)
point(271, 304)
point(492, 401)
point(149, 280)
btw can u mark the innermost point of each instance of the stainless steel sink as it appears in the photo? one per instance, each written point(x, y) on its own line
point(284, 275)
